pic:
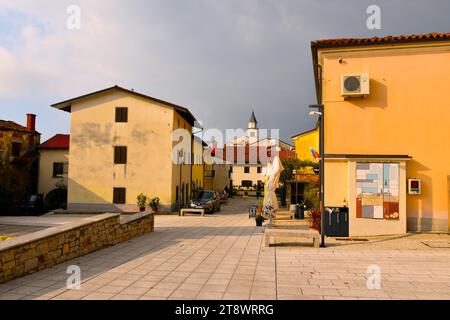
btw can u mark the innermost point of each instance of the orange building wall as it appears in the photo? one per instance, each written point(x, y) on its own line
point(406, 113)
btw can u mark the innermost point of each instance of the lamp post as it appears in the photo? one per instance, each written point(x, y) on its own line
point(180, 161)
point(294, 172)
point(321, 114)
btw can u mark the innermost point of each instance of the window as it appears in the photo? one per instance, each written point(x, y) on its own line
point(121, 114)
point(58, 169)
point(377, 190)
point(246, 169)
point(246, 183)
point(252, 134)
point(15, 149)
point(119, 195)
point(259, 170)
point(120, 155)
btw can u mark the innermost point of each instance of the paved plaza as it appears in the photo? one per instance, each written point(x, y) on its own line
point(222, 256)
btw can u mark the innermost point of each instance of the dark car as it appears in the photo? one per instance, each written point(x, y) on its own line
point(34, 206)
point(208, 200)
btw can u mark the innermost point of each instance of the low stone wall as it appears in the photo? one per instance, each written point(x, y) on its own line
point(46, 248)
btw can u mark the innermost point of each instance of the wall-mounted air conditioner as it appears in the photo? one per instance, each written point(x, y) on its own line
point(355, 85)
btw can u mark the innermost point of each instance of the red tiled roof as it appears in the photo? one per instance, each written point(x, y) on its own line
point(343, 42)
point(59, 141)
point(11, 125)
point(247, 153)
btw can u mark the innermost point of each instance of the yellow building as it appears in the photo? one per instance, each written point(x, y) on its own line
point(303, 142)
point(304, 176)
point(217, 174)
point(198, 168)
point(386, 118)
point(53, 163)
point(122, 145)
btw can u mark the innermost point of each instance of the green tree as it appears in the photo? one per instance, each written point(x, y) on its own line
point(289, 165)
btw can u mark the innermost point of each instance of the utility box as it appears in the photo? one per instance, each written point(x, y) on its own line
point(336, 222)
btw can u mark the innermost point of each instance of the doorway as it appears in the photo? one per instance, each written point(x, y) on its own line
point(297, 192)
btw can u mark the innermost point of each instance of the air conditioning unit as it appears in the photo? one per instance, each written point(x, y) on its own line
point(355, 85)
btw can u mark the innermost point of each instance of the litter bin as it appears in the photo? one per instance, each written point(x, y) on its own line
point(300, 214)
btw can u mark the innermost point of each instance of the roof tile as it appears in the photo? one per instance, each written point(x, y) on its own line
point(59, 141)
point(339, 42)
point(11, 125)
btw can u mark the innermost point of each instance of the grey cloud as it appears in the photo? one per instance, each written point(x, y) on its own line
point(220, 58)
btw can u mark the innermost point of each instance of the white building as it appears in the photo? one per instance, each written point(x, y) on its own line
point(248, 168)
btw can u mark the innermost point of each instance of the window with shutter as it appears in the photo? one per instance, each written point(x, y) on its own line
point(121, 114)
point(120, 155)
point(15, 149)
point(119, 195)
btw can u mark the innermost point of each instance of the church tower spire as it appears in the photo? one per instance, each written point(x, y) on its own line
point(252, 129)
point(252, 123)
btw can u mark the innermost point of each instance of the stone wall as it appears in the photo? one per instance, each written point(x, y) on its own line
point(46, 248)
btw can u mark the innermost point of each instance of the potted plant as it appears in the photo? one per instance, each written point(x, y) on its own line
point(154, 204)
point(141, 201)
point(259, 218)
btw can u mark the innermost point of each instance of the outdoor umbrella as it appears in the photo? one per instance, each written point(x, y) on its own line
point(272, 179)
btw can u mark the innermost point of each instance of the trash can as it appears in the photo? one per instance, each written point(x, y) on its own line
point(300, 211)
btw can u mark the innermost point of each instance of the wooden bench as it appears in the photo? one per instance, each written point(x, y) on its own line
point(285, 215)
point(271, 234)
point(191, 210)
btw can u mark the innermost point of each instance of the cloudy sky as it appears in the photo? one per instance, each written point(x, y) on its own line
point(219, 58)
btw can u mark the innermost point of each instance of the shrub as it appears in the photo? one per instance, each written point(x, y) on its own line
point(311, 197)
point(315, 219)
point(56, 199)
point(154, 203)
point(141, 200)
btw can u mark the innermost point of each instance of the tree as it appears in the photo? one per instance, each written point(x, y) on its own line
point(289, 165)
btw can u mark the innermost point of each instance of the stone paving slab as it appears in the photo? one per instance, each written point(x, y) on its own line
point(222, 256)
point(17, 230)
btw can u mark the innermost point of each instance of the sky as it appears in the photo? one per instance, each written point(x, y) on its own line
point(219, 58)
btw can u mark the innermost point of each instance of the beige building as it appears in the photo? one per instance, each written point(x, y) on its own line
point(122, 145)
point(217, 174)
point(198, 167)
point(53, 163)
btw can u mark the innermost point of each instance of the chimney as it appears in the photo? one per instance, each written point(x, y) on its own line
point(31, 122)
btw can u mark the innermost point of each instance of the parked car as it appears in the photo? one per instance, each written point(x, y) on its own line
point(223, 196)
point(34, 206)
point(208, 200)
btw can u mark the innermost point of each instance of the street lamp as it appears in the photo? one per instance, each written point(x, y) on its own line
point(294, 172)
point(321, 114)
point(180, 161)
